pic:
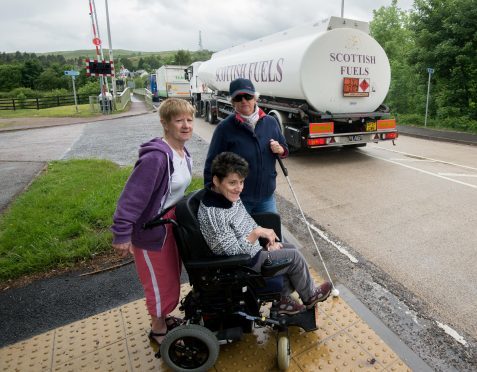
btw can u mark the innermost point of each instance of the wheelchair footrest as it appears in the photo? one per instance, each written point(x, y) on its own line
point(229, 335)
point(305, 320)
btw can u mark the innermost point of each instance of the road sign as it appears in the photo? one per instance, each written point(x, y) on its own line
point(97, 41)
point(430, 70)
point(71, 73)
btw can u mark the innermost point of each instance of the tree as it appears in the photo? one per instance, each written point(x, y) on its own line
point(126, 62)
point(31, 70)
point(445, 40)
point(10, 77)
point(390, 27)
point(182, 57)
point(201, 55)
point(51, 79)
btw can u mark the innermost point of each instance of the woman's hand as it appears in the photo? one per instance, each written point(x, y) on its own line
point(261, 232)
point(274, 246)
point(276, 147)
point(124, 248)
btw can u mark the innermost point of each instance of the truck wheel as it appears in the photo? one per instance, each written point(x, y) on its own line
point(211, 118)
point(197, 109)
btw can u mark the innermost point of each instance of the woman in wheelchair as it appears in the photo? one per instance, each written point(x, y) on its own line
point(229, 230)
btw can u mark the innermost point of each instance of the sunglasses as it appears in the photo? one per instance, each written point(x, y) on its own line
point(238, 98)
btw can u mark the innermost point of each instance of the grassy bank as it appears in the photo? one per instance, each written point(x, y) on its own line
point(64, 217)
point(454, 125)
point(52, 112)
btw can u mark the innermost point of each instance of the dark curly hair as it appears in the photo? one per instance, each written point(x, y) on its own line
point(227, 163)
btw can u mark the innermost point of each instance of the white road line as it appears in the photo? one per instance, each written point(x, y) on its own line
point(423, 157)
point(342, 250)
point(453, 333)
point(422, 170)
point(457, 175)
point(413, 160)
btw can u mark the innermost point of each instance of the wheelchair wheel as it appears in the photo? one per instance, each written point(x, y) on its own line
point(283, 353)
point(190, 348)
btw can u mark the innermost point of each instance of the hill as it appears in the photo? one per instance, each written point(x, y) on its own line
point(74, 54)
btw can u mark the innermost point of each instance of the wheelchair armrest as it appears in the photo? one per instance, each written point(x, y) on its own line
point(272, 267)
point(219, 261)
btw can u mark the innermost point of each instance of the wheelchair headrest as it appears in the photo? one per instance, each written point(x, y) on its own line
point(190, 242)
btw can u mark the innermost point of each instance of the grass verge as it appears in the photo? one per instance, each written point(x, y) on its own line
point(52, 112)
point(63, 218)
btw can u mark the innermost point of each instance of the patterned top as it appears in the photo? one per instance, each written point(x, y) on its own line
point(226, 225)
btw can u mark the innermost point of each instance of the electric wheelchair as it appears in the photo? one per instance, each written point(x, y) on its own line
point(226, 296)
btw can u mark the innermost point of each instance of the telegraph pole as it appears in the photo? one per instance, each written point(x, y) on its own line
point(113, 78)
point(342, 8)
point(430, 71)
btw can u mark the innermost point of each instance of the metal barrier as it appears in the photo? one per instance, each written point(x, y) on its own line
point(123, 99)
point(145, 94)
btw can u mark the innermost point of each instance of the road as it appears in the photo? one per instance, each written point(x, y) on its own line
point(399, 221)
point(409, 209)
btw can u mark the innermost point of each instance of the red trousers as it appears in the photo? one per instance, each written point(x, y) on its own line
point(159, 273)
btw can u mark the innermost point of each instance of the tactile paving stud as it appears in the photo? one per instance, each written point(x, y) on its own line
point(339, 312)
point(111, 358)
point(135, 317)
point(371, 342)
point(87, 335)
point(255, 352)
point(30, 355)
point(399, 366)
point(141, 354)
point(337, 353)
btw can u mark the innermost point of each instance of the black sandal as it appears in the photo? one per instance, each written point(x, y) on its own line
point(173, 322)
point(155, 343)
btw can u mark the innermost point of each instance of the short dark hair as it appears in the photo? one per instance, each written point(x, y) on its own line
point(227, 163)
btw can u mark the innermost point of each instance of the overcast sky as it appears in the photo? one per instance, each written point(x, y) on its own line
point(158, 25)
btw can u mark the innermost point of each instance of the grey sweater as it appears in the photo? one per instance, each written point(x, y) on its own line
point(226, 225)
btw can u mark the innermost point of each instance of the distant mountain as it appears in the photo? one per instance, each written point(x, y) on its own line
point(116, 53)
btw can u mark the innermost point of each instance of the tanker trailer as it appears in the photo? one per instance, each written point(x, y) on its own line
point(324, 83)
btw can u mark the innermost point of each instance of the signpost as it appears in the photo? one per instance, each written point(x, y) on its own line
point(430, 71)
point(73, 74)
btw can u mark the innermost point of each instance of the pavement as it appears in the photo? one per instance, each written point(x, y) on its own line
point(57, 320)
point(438, 135)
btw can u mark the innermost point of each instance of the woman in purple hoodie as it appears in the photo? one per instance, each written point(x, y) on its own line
point(159, 179)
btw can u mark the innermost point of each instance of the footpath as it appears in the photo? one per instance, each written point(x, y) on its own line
point(99, 322)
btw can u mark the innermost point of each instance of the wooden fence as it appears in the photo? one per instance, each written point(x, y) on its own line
point(40, 103)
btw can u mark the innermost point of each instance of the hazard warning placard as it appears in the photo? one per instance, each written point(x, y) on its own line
point(355, 87)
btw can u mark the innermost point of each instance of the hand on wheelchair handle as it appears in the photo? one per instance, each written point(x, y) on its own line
point(274, 246)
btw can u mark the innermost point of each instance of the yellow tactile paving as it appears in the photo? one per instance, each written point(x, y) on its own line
point(116, 340)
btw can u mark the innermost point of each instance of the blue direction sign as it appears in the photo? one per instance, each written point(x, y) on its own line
point(430, 70)
point(72, 73)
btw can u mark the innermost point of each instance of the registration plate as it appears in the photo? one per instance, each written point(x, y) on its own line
point(371, 126)
point(354, 138)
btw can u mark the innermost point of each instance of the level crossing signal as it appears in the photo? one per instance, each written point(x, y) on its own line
point(99, 68)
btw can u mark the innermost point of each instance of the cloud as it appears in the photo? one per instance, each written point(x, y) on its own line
point(157, 25)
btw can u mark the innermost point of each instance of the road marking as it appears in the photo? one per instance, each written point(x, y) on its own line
point(424, 171)
point(413, 160)
point(342, 250)
point(457, 174)
point(453, 333)
point(424, 158)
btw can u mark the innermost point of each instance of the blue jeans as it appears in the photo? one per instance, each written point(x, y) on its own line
point(267, 204)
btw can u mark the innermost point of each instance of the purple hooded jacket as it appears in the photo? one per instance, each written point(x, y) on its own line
point(144, 195)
